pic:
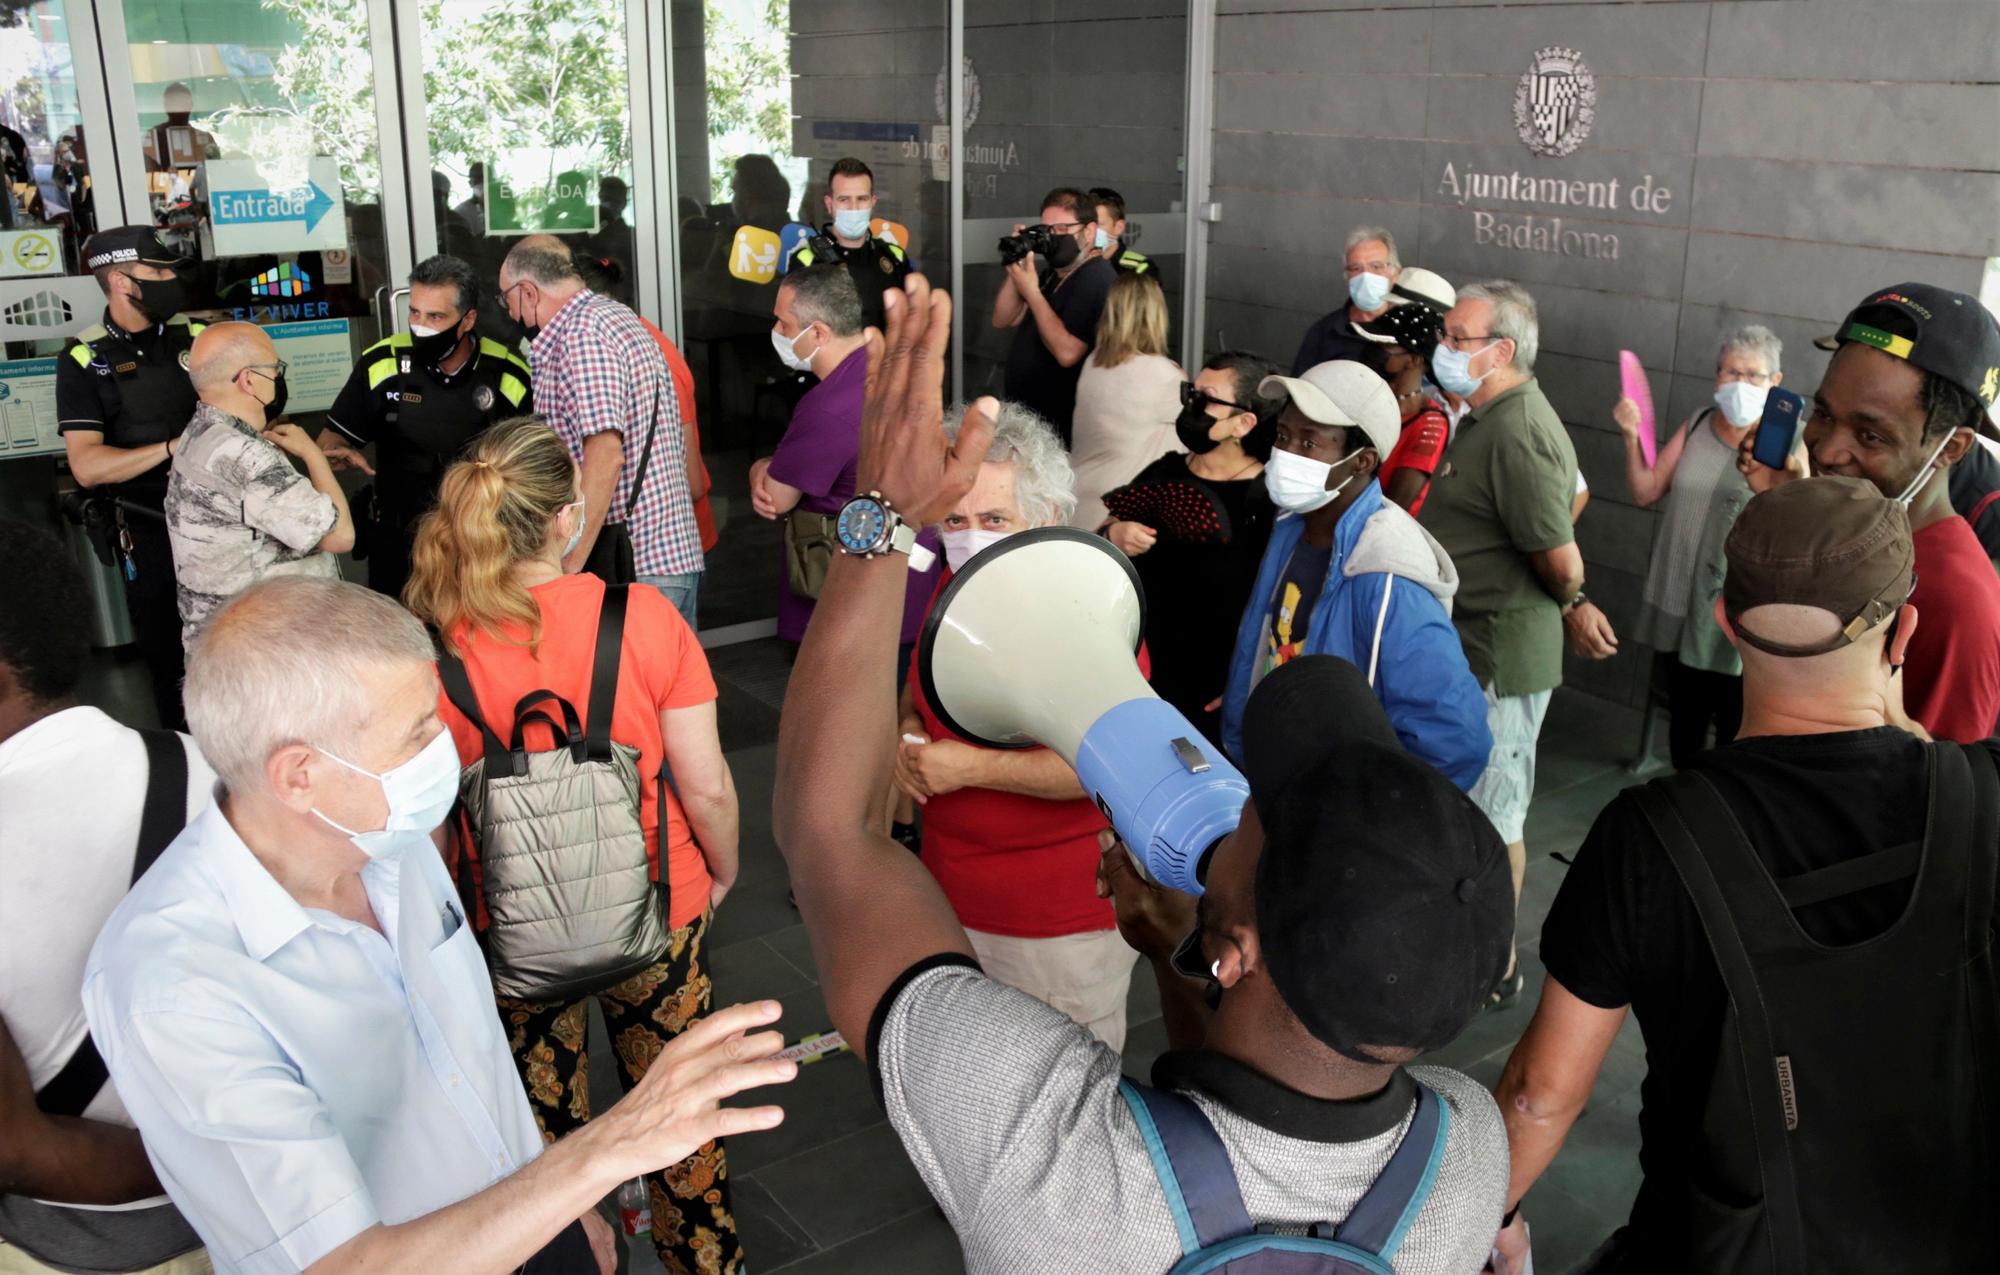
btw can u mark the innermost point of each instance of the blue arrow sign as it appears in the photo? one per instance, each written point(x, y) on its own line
point(307, 203)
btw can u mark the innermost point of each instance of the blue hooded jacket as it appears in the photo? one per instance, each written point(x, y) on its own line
point(1386, 609)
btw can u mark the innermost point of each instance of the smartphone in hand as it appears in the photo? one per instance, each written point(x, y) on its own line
point(1778, 429)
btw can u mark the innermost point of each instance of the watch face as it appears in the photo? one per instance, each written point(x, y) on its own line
point(861, 525)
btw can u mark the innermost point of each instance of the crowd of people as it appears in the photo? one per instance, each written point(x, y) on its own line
point(310, 983)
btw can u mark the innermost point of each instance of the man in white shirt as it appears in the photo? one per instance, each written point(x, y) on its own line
point(293, 1003)
point(75, 1192)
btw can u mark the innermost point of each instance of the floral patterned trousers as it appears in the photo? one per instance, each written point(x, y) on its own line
point(693, 1228)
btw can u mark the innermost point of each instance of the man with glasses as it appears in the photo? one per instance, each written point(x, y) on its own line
point(237, 510)
point(1372, 268)
point(1500, 505)
point(1053, 307)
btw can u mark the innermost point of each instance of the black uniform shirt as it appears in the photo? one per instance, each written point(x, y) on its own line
point(132, 387)
point(420, 417)
point(876, 266)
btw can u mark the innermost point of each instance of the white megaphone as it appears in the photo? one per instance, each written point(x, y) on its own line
point(1033, 642)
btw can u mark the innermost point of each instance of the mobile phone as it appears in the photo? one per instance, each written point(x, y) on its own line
point(1778, 429)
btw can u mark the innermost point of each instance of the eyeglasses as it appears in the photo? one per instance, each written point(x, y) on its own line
point(1458, 342)
point(280, 365)
point(1190, 396)
point(1367, 267)
point(1064, 227)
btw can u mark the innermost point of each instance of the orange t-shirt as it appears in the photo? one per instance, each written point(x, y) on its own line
point(660, 666)
point(683, 378)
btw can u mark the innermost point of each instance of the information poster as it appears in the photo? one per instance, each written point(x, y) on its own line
point(318, 356)
point(275, 206)
point(28, 408)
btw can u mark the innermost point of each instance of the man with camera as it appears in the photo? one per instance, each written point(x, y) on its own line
point(1356, 917)
point(1055, 290)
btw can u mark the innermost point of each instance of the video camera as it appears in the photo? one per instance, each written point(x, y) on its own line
point(1032, 239)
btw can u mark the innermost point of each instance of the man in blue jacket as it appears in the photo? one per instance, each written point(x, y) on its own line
point(1347, 573)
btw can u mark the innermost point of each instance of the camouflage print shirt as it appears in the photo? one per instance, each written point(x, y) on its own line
point(237, 511)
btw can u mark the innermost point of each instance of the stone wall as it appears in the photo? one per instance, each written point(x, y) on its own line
point(1787, 156)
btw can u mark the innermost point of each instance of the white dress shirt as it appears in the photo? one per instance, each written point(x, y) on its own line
point(298, 1077)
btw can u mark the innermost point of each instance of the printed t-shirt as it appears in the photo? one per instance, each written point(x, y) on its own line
point(1292, 606)
point(1420, 447)
point(661, 666)
point(1009, 863)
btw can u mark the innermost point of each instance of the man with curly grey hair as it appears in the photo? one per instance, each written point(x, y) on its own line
point(1009, 833)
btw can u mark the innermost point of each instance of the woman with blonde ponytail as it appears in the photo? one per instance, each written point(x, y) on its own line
point(486, 573)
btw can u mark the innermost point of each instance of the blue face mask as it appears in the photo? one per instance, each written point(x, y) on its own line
point(1103, 240)
point(851, 223)
point(1368, 291)
point(1452, 367)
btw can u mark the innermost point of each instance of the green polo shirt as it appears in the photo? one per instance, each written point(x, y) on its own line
point(1502, 495)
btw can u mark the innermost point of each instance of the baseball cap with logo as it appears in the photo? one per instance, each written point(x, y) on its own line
point(1834, 544)
point(1344, 393)
point(1940, 331)
point(1384, 902)
point(1414, 286)
point(129, 246)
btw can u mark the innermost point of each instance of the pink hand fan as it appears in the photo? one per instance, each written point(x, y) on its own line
point(1636, 389)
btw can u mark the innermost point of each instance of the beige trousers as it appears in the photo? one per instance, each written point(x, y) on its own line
point(1084, 975)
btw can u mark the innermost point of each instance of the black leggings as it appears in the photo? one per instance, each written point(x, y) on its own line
point(1699, 699)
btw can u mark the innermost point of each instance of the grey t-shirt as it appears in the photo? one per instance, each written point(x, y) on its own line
point(1012, 1115)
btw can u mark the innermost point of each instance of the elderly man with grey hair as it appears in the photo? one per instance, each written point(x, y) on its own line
point(1372, 267)
point(1501, 509)
point(1696, 481)
point(1009, 834)
point(294, 1009)
point(602, 383)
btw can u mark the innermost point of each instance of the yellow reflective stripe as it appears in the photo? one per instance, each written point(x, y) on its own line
point(892, 247)
point(379, 371)
point(492, 349)
point(93, 334)
point(196, 329)
point(513, 388)
point(81, 353)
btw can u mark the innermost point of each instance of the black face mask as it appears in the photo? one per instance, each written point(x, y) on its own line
point(1064, 252)
point(1188, 963)
point(1192, 426)
point(279, 390)
point(433, 350)
point(161, 299)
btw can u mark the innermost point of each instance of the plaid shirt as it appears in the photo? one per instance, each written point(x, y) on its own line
point(596, 368)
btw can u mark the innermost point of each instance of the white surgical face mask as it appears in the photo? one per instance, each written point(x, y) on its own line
point(1453, 369)
point(1368, 291)
point(575, 537)
point(851, 223)
point(1297, 484)
point(961, 546)
point(788, 350)
point(1742, 402)
point(1924, 474)
point(419, 793)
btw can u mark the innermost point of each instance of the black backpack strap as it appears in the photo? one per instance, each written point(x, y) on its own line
point(1686, 814)
point(1982, 803)
point(1192, 1165)
point(161, 818)
point(164, 813)
point(458, 689)
point(1381, 1218)
point(604, 672)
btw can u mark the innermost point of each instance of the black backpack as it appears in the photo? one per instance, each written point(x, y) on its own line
point(1864, 1075)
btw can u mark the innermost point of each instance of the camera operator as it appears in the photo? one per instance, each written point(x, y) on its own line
point(1356, 917)
point(1060, 305)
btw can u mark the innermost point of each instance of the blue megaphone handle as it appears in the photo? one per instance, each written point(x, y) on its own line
point(1168, 791)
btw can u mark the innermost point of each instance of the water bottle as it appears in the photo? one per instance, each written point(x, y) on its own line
point(633, 1209)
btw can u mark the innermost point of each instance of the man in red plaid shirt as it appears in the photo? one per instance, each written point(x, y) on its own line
point(601, 382)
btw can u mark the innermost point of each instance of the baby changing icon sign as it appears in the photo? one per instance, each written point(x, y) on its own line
point(753, 257)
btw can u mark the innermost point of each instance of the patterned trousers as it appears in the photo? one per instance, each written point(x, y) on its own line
point(694, 1230)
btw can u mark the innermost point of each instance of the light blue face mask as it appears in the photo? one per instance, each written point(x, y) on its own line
point(418, 793)
point(1452, 367)
point(575, 537)
point(1103, 240)
point(852, 223)
point(1368, 291)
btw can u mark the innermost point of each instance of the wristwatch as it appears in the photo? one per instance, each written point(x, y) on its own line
point(1576, 601)
point(868, 525)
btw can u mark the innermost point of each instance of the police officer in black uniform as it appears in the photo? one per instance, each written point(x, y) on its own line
point(877, 263)
point(1111, 235)
point(419, 397)
point(122, 399)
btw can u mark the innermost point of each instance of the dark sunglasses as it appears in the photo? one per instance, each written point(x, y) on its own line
point(1190, 396)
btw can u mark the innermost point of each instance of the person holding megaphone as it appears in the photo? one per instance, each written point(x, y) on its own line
point(1354, 912)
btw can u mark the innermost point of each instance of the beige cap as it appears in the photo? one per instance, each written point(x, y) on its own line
point(1344, 393)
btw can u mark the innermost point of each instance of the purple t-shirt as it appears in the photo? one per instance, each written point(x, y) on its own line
point(818, 456)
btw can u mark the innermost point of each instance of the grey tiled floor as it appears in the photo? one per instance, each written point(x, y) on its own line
point(831, 1191)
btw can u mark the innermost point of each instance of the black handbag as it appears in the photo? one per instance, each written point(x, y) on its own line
point(610, 558)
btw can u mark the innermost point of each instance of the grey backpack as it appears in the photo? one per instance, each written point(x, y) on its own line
point(572, 902)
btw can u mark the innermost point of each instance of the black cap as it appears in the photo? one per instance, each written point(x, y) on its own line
point(1415, 327)
point(1955, 337)
point(129, 246)
point(1385, 905)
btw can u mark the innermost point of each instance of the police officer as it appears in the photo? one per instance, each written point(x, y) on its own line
point(122, 399)
point(875, 262)
point(420, 396)
point(1111, 235)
